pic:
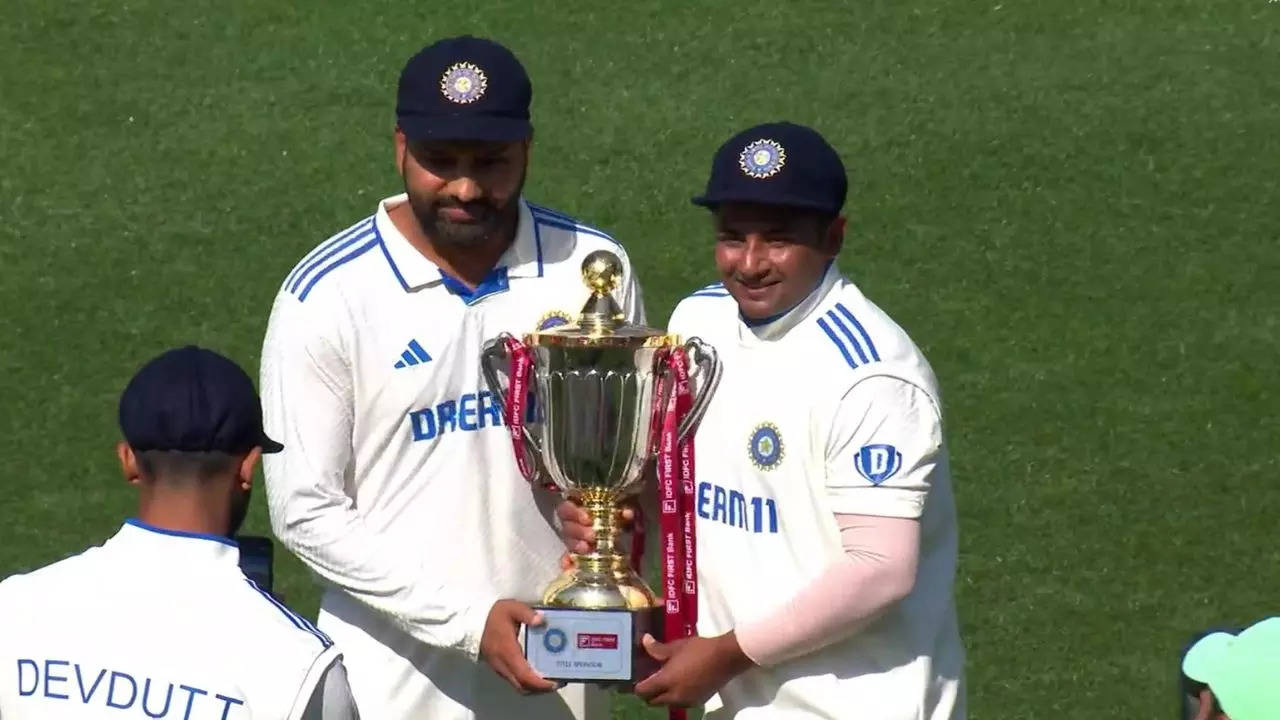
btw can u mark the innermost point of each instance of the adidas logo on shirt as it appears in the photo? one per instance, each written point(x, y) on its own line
point(415, 355)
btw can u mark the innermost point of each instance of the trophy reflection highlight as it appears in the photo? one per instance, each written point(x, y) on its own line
point(600, 384)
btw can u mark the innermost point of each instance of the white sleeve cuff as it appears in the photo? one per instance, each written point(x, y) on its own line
point(878, 501)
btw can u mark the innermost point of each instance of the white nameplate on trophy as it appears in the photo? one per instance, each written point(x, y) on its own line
point(581, 645)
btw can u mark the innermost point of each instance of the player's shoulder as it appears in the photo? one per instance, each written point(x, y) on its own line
point(334, 260)
point(855, 339)
point(704, 312)
point(41, 585)
point(563, 237)
point(275, 626)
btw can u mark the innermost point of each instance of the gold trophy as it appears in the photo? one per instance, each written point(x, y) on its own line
point(596, 383)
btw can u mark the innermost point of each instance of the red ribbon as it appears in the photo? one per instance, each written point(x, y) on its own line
point(518, 394)
point(676, 500)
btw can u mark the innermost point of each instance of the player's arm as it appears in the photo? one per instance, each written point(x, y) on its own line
point(884, 445)
point(878, 513)
point(308, 405)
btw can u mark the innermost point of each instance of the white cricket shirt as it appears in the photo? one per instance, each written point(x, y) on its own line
point(828, 409)
point(154, 623)
point(398, 484)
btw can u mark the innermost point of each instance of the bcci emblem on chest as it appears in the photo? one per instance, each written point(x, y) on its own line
point(553, 319)
point(765, 446)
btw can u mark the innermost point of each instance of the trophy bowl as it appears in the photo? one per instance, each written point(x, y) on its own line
point(600, 385)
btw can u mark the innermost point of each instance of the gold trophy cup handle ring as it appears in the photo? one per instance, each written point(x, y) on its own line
point(706, 370)
point(495, 361)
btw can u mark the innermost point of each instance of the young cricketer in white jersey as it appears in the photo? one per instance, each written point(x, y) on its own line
point(826, 531)
point(159, 621)
point(398, 485)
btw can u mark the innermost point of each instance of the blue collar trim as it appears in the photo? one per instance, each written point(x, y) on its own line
point(495, 282)
point(223, 539)
point(765, 321)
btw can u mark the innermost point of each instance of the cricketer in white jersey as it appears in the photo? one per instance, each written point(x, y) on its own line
point(161, 624)
point(398, 484)
point(782, 451)
point(826, 531)
point(159, 621)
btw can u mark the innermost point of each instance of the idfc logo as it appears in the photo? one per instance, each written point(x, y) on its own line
point(469, 413)
point(597, 641)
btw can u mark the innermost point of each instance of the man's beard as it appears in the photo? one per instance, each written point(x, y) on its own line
point(488, 220)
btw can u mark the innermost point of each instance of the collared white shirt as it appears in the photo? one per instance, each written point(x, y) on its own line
point(156, 623)
point(398, 484)
point(827, 409)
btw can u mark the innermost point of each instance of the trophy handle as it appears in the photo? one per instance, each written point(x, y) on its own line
point(494, 356)
point(703, 357)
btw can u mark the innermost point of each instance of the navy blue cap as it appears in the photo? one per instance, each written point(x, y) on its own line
point(777, 164)
point(464, 88)
point(194, 400)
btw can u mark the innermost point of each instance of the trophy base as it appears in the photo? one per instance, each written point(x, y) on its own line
point(597, 646)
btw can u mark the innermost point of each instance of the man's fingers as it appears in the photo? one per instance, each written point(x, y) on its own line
point(529, 681)
point(659, 699)
point(658, 651)
point(520, 613)
point(570, 512)
point(510, 664)
point(651, 686)
point(628, 514)
point(576, 532)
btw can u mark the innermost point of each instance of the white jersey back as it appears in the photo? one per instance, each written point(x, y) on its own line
point(780, 451)
point(398, 482)
point(157, 624)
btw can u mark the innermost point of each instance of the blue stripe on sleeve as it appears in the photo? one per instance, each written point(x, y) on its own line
point(827, 329)
point(861, 330)
point(298, 621)
point(302, 276)
point(857, 347)
point(326, 246)
point(335, 265)
point(571, 226)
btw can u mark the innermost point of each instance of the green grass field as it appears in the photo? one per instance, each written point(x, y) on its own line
point(1071, 206)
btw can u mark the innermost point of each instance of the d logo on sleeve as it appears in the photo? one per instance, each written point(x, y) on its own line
point(877, 463)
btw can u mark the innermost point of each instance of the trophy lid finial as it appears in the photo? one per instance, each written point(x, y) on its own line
point(601, 323)
point(602, 271)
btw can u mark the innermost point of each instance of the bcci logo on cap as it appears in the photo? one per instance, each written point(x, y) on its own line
point(765, 447)
point(877, 463)
point(762, 159)
point(463, 83)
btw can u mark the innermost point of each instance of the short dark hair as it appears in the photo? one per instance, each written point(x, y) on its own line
point(183, 466)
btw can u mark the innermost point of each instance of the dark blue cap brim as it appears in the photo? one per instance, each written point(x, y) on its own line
point(270, 446)
point(711, 200)
point(490, 128)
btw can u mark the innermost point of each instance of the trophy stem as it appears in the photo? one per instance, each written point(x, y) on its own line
point(602, 579)
point(604, 520)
